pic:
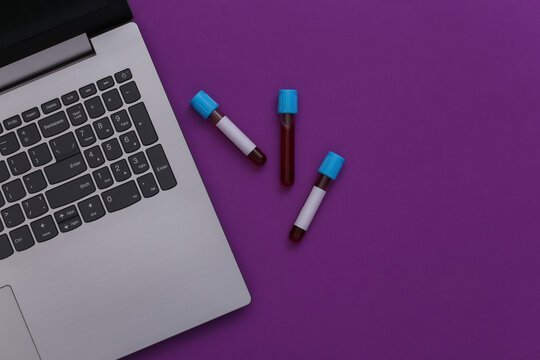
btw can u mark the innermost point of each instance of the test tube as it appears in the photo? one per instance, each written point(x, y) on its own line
point(329, 170)
point(287, 108)
point(208, 108)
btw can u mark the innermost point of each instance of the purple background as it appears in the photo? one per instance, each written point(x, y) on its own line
point(427, 246)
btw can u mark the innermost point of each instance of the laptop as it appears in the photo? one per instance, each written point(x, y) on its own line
point(108, 240)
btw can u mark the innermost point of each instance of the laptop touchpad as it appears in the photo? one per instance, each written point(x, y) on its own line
point(15, 339)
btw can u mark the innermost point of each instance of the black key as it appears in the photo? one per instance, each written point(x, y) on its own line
point(121, 121)
point(120, 170)
point(22, 238)
point(13, 216)
point(121, 196)
point(76, 115)
point(35, 206)
point(112, 100)
point(138, 163)
point(112, 149)
point(65, 169)
point(70, 224)
point(29, 135)
point(148, 185)
point(129, 142)
point(2, 203)
point(103, 128)
point(94, 156)
point(88, 90)
point(122, 76)
point(91, 209)
point(70, 192)
point(35, 181)
point(5, 247)
point(86, 135)
point(12, 122)
point(64, 146)
point(65, 214)
point(40, 155)
point(14, 190)
point(19, 164)
point(143, 124)
point(44, 229)
point(103, 178)
point(51, 106)
point(4, 173)
point(31, 114)
point(54, 124)
point(9, 144)
point(130, 92)
point(70, 98)
point(161, 167)
point(106, 83)
point(94, 106)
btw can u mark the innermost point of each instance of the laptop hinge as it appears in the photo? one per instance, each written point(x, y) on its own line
point(45, 61)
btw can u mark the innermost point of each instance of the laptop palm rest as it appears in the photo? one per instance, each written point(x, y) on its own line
point(15, 339)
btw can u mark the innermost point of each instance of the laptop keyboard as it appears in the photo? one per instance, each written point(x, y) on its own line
point(53, 162)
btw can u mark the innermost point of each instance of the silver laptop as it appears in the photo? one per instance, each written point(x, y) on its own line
point(108, 240)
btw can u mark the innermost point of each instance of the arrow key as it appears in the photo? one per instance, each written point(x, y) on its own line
point(44, 229)
point(91, 209)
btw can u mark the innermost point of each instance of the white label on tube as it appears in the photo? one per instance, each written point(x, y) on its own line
point(310, 208)
point(235, 135)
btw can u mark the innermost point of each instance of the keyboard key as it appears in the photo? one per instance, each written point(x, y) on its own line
point(143, 124)
point(35, 206)
point(76, 115)
point(2, 203)
point(162, 169)
point(121, 121)
point(12, 122)
point(121, 196)
point(5, 247)
point(70, 224)
point(88, 90)
point(112, 100)
point(51, 106)
point(138, 163)
point(129, 142)
point(29, 135)
point(31, 114)
point(13, 216)
point(91, 209)
point(120, 170)
point(94, 107)
point(44, 229)
point(86, 135)
point(14, 190)
point(40, 155)
point(70, 192)
point(112, 149)
point(4, 173)
point(22, 238)
point(106, 83)
point(64, 146)
point(70, 98)
point(103, 128)
point(65, 214)
point(122, 76)
point(103, 178)
point(148, 185)
point(65, 169)
point(9, 144)
point(54, 124)
point(94, 156)
point(34, 182)
point(130, 92)
point(19, 164)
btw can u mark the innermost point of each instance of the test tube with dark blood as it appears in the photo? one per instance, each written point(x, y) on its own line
point(208, 108)
point(287, 107)
point(329, 170)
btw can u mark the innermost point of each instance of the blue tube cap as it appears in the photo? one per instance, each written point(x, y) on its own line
point(204, 104)
point(331, 165)
point(288, 102)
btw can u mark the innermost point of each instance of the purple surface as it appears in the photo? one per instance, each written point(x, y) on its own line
point(427, 246)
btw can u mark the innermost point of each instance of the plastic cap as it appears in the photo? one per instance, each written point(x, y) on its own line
point(331, 165)
point(204, 104)
point(288, 102)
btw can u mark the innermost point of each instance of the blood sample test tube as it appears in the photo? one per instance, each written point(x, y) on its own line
point(329, 171)
point(287, 108)
point(208, 108)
